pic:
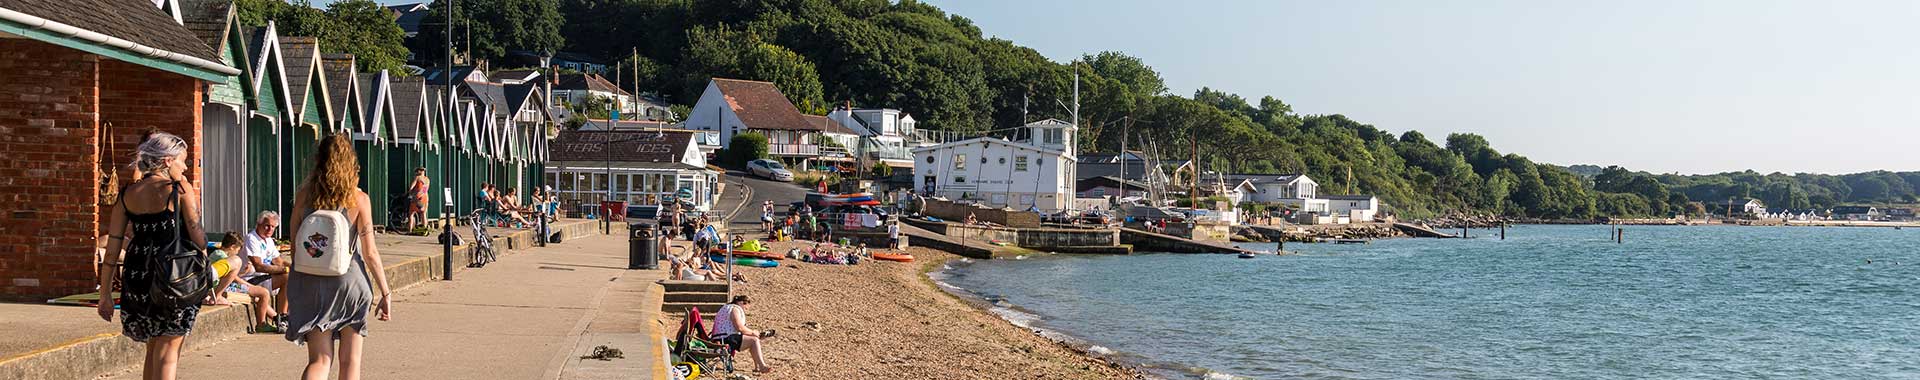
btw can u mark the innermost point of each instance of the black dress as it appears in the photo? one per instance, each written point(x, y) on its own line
point(152, 235)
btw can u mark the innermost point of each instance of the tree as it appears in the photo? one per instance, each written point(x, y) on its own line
point(359, 27)
point(745, 146)
point(366, 30)
point(489, 29)
point(1140, 79)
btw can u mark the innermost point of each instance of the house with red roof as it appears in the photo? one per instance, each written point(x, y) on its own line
point(733, 106)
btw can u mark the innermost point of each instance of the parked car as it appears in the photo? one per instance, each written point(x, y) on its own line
point(769, 169)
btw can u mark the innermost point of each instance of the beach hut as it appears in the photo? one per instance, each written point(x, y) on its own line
point(271, 109)
point(373, 143)
point(313, 115)
point(223, 110)
point(417, 143)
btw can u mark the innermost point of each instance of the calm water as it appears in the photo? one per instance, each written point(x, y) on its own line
point(1550, 302)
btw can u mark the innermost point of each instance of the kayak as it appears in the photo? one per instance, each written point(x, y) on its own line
point(754, 254)
point(747, 261)
point(900, 257)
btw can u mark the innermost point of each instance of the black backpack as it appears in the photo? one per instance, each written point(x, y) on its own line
point(181, 274)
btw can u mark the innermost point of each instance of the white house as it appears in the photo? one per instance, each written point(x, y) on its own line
point(1296, 190)
point(1356, 208)
point(886, 135)
point(732, 106)
point(1036, 173)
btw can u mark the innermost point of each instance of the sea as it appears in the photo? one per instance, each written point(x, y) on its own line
point(1546, 302)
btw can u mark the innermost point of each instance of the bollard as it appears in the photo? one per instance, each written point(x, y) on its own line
point(1503, 231)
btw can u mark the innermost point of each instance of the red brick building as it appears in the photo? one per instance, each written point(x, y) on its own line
point(80, 81)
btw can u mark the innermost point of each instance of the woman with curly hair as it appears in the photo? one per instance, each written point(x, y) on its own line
point(325, 309)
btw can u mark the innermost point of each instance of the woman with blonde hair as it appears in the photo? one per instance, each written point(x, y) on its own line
point(153, 214)
point(325, 309)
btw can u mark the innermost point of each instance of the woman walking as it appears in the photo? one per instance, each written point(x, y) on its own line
point(324, 309)
point(153, 214)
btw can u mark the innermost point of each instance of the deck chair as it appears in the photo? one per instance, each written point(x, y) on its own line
point(692, 344)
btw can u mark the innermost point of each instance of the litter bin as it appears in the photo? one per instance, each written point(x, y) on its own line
point(643, 251)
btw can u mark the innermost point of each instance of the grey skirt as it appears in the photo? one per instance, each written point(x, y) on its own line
point(321, 303)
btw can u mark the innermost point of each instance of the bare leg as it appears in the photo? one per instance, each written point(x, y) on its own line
point(349, 354)
point(163, 357)
point(319, 355)
point(280, 291)
point(263, 311)
point(752, 345)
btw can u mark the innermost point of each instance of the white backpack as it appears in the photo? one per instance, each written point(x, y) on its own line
point(323, 246)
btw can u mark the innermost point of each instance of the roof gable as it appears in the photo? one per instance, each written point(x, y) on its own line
point(760, 105)
point(305, 78)
point(139, 32)
point(621, 146)
point(344, 92)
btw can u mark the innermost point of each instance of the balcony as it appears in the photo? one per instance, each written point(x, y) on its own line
point(797, 150)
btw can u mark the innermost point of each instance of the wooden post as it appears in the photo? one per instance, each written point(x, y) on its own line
point(1503, 231)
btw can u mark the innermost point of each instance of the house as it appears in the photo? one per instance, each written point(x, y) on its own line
point(1030, 174)
point(886, 136)
point(83, 80)
point(409, 16)
point(567, 60)
point(1105, 186)
point(837, 141)
point(1898, 214)
point(1745, 206)
point(1131, 165)
point(1856, 213)
point(577, 89)
point(733, 106)
point(1297, 191)
point(642, 167)
point(1354, 208)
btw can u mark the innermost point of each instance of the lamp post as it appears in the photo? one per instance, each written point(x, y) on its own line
point(606, 148)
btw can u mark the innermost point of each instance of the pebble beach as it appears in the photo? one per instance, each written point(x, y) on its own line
point(886, 320)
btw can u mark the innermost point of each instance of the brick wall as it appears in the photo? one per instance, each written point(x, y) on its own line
point(50, 111)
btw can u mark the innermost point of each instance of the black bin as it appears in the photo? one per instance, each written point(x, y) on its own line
point(643, 251)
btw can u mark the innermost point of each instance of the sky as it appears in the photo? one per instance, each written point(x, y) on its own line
point(1680, 86)
point(1662, 86)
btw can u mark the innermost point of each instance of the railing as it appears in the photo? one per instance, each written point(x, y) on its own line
point(793, 149)
point(834, 151)
point(889, 153)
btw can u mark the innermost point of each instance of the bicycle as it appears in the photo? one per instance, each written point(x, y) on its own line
point(482, 251)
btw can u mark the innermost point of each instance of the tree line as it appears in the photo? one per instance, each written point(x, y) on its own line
point(942, 69)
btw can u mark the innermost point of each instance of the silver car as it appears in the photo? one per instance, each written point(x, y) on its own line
point(769, 169)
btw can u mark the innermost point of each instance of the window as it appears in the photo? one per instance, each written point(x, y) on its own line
point(566, 180)
point(620, 183)
point(960, 179)
point(959, 162)
point(1020, 164)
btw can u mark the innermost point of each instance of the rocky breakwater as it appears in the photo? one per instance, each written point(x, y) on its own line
point(1458, 221)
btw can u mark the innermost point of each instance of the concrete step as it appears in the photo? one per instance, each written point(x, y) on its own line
point(679, 286)
point(681, 307)
point(696, 297)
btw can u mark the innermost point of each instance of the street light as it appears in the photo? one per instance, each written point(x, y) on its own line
point(606, 147)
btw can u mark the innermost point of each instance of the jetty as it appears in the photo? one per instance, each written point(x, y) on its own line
point(1156, 242)
point(1422, 231)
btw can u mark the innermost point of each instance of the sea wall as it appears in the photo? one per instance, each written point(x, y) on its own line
point(955, 211)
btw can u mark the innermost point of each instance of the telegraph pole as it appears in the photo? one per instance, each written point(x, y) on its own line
point(446, 241)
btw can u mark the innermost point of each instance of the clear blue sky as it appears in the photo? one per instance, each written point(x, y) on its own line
point(1661, 86)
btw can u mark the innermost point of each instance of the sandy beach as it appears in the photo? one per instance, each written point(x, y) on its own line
point(885, 320)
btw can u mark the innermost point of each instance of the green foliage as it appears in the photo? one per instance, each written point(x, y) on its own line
point(881, 170)
point(359, 27)
point(949, 76)
point(489, 29)
point(745, 146)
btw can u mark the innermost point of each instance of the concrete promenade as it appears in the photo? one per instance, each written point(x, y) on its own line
point(530, 315)
point(527, 296)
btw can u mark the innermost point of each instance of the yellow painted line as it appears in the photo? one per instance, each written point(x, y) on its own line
point(71, 343)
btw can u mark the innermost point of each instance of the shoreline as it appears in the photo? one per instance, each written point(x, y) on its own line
point(986, 307)
point(889, 320)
